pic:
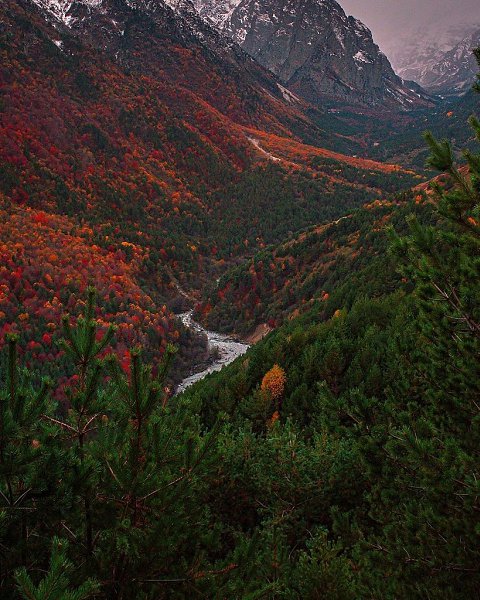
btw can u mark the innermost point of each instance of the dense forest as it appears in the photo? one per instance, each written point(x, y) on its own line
point(347, 258)
point(337, 459)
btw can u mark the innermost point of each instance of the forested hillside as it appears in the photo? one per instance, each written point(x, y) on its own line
point(162, 166)
point(353, 428)
point(47, 263)
point(347, 258)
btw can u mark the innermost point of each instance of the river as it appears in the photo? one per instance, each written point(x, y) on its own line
point(227, 349)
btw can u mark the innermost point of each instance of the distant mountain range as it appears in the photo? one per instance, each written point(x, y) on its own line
point(446, 72)
point(314, 49)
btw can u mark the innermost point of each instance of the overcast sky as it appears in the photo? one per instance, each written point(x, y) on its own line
point(391, 19)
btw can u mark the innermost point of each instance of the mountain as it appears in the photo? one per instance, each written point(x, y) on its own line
point(448, 73)
point(188, 56)
point(145, 35)
point(315, 49)
point(171, 42)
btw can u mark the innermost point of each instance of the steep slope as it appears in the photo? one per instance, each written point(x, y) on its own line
point(47, 262)
point(321, 266)
point(149, 38)
point(447, 73)
point(315, 49)
point(166, 126)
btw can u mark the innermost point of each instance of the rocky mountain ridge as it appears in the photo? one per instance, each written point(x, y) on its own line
point(145, 36)
point(312, 46)
point(315, 49)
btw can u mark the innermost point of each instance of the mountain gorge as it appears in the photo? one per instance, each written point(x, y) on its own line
point(326, 266)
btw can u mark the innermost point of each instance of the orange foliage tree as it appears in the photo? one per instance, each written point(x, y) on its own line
point(273, 383)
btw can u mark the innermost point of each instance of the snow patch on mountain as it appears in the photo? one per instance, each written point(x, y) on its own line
point(287, 94)
point(361, 57)
point(181, 6)
point(62, 9)
point(216, 12)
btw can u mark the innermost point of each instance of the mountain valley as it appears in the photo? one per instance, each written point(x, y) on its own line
point(239, 317)
point(135, 201)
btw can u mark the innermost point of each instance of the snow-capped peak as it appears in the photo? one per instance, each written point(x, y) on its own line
point(181, 5)
point(449, 72)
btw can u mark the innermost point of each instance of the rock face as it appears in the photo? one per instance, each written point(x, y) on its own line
point(315, 49)
point(216, 12)
point(67, 12)
point(145, 33)
point(447, 73)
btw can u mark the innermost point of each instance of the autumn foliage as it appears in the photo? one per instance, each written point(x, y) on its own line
point(273, 383)
point(47, 262)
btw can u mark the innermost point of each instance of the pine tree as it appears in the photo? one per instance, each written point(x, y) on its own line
point(56, 584)
point(123, 475)
point(431, 513)
point(84, 347)
point(25, 470)
point(155, 465)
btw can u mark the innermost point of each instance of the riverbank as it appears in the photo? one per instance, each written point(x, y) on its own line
point(222, 348)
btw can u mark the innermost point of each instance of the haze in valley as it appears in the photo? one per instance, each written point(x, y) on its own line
point(400, 25)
